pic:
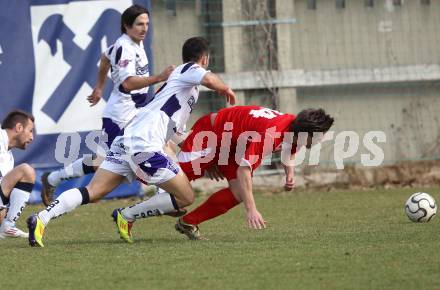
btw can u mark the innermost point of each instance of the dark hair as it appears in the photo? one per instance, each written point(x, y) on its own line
point(15, 117)
point(194, 48)
point(130, 14)
point(311, 120)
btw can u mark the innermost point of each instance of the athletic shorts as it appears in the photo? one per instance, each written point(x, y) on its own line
point(147, 167)
point(197, 154)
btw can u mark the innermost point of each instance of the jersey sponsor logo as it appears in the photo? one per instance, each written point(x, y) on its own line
point(191, 103)
point(141, 70)
point(123, 62)
point(67, 48)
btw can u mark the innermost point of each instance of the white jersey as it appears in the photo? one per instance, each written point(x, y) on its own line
point(6, 157)
point(127, 59)
point(166, 114)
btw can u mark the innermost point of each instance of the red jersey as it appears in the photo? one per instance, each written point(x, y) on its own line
point(244, 134)
point(263, 129)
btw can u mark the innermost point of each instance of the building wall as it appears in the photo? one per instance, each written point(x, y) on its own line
point(386, 38)
point(170, 32)
point(406, 113)
point(362, 37)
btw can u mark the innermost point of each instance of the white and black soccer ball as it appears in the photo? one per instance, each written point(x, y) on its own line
point(420, 207)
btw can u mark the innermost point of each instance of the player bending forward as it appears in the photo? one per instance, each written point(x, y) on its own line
point(232, 143)
point(16, 183)
point(254, 132)
point(139, 152)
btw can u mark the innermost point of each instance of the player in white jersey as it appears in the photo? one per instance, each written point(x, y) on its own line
point(130, 74)
point(15, 183)
point(139, 152)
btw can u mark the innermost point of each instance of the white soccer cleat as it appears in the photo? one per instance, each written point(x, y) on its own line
point(13, 232)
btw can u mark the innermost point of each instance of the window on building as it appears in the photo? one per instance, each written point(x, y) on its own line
point(425, 2)
point(369, 3)
point(340, 4)
point(397, 2)
point(170, 6)
point(311, 4)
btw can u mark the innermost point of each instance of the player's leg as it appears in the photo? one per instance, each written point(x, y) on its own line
point(155, 168)
point(15, 189)
point(50, 180)
point(81, 166)
point(2, 214)
point(102, 183)
point(218, 203)
point(177, 193)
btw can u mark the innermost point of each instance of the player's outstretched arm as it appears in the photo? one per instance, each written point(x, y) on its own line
point(213, 82)
point(104, 67)
point(290, 177)
point(136, 82)
point(242, 186)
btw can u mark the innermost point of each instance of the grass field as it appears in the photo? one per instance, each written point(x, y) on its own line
point(315, 240)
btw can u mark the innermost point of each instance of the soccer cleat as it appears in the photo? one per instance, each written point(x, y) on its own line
point(47, 190)
point(36, 231)
point(124, 226)
point(191, 231)
point(12, 232)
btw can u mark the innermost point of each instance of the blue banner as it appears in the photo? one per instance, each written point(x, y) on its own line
point(49, 57)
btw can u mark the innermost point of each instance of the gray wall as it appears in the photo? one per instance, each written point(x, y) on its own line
point(400, 42)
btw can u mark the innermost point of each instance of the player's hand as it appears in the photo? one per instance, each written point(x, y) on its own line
point(290, 184)
point(213, 172)
point(255, 220)
point(230, 96)
point(163, 76)
point(94, 97)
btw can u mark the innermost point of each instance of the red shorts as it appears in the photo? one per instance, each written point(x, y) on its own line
point(201, 150)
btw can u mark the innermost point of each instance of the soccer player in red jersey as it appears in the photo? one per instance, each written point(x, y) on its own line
point(232, 144)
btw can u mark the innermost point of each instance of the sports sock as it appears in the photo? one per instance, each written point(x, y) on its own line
point(66, 202)
point(158, 204)
point(217, 204)
point(73, 170)
point(17, 202)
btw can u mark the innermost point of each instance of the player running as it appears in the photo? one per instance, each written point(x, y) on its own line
point(131, 78)
point(139, 152)
point(16, 183)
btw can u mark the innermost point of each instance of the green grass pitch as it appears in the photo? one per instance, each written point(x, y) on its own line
point(315, 240)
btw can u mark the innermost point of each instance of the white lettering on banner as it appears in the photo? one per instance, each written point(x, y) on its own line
point(1, 52)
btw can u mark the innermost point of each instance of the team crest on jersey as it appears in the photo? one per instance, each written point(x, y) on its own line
point(68, 40)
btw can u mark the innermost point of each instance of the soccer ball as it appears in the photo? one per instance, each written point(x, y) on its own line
point(420, 207)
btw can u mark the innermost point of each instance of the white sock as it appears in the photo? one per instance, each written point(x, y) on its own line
point(66, 202)
point(72, 170)
point(17, 202)
point(158, 204)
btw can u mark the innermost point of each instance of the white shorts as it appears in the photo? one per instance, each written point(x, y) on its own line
point(148, 167)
